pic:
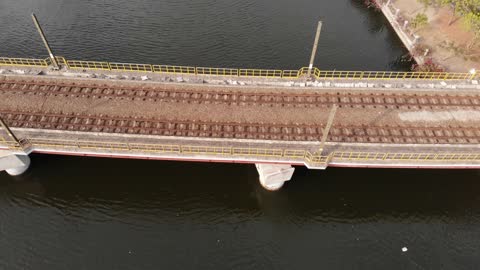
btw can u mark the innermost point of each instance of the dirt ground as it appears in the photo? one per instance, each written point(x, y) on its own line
point(445, 36)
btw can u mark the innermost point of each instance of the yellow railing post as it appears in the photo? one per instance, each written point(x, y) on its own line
point(259, 73)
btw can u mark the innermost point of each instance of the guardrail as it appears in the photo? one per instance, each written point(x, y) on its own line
point(312, 160)
point(252, 73)
point(367, 156)
point(167, 148)
point(24, 62)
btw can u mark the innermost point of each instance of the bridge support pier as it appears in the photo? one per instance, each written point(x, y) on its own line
point(14, 164)
point(273, 176)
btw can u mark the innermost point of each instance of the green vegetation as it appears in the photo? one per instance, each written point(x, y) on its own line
point(468, 10)
point(420, 20)
point(472, 21)
point(426, 3)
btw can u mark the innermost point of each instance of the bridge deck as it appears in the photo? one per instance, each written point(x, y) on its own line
point(227, 109)
point(380, 120)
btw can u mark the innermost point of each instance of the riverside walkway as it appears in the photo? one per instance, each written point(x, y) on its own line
point(271, 118)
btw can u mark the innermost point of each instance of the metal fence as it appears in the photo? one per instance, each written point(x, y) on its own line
point(93, 65)
point(174, 69)
point(416, 157)
point(131, 67)
point(390, 75)
point(217, 71)
point(312, 160)
point(253, 73)
point(23, 62)
point(260, 73)
point(166, 148)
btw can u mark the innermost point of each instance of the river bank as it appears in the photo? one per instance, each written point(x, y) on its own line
point(442, 39)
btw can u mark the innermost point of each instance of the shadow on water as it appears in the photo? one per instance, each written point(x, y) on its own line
point(346, 195)
point(374, 19)
point(377, 23)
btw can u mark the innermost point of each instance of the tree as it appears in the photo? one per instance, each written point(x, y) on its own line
point(442, 3)
point(470, 11)
point(472, 21)
point(420, 20)
point(453, 4)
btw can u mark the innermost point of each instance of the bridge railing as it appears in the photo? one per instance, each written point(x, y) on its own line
point(131, 67)
point(253, 73)
point(390, 75)
point(167, 148)
point(260, 73)
point(217, 71)
point(92, 65)
point(23, 62)
point(174, 69)
point(313, 160)
point(369, 156)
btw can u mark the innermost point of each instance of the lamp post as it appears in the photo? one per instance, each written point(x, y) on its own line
point(45, 42)
point(314, 50)
point(473, 73)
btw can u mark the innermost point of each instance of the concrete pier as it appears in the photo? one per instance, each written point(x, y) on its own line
point(273, 176)
point(14, 164)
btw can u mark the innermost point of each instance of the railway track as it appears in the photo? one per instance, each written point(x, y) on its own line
point(293, 132)
point(357, 100)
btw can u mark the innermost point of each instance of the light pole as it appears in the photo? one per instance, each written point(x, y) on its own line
point(314, 50)
point(40, 31)
point(473, 73)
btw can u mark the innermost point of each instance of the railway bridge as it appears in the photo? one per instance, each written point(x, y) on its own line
point(274, 119)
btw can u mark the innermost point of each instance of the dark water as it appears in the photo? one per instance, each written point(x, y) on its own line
point(87, 213)
point(226, 33)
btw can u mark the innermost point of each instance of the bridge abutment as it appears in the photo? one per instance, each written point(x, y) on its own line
point(14, 164)
point(273, 176)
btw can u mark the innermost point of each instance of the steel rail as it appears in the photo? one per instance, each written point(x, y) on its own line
point(353, 100)
point(241, 130)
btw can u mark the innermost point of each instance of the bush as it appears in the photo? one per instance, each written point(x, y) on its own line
point(420, 20)
point(428, 66)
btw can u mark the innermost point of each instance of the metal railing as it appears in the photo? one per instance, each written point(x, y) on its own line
point(293, 155)
point(166, 148)
point(390, 75)
point(316, 160)
point(253, 73)
point(293, 74)
point(368, 156)
point(11, 145)
point(24, 62)
point(260, 73)
point(94, 65)
point(174, 69)
point(217, 71)
point(130, 67)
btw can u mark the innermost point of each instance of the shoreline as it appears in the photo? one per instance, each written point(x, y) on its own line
point(406, 39)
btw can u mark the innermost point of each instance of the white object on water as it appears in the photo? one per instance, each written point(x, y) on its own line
point(404, 249)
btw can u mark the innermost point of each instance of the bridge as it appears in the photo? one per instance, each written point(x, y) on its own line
point(274, 119)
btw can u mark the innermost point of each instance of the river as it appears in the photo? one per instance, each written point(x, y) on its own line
point(93, 213)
